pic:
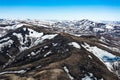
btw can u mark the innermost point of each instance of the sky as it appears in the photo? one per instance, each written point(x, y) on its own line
point(108, 10)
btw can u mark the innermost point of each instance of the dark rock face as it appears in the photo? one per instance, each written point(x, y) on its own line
point(31, 53)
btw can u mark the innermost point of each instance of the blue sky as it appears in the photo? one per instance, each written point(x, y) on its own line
point(61, 9)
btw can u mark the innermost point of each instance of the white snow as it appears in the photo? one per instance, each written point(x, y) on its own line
point(33, 53)
point(9, 55)
point(116, 68)
point(88, 77)
point(111, 48)
point(24, 29)
point(90, 56)
point(4, 39)
point(77, 35)
point(54, 44)
point(102, 39)
point(20, 71)
point(28, 55)
point(109, 66)
point(47, 53)
point(38, 51)
point(39, 66)
point(8, 43)
point(44, 26)
point(35, 37)
point(109, 27)
point(19, 25)
point(50, 36)
point(99, 53)
point(9, 27)
point(45, 46)
point(20, 38)
point(75, 44)
point(2, 32)
point(33, 33)
point(98, 29)
point(13, 27)
point(68, 73)
point(41, 39)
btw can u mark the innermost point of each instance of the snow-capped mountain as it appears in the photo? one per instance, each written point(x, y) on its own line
point(60, 50)
point(87, 27)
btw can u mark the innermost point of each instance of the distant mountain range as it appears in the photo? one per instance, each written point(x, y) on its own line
point(59, 50)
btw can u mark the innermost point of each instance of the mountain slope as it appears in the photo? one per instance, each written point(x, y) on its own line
point(36, 53)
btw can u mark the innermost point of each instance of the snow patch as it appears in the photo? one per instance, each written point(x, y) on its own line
point(33, 53)
point(34, 36)
point(39, 66)
point(100, 54)
point(5, 39)
point(13, 27)
point(75, 44)
point(68, 73)
point(19, 25)
point(111, 48)
point(33, 33)
point(41, 39)
point(24, 29)
point(109, 27)
point(47, 53)
point(109, 66)
point(8, 43)
point(54, 44)
point(90, 56)
point(21, 71)
point(49, 36)
point(89, 77)
point(98, 29)
point(45, 46)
